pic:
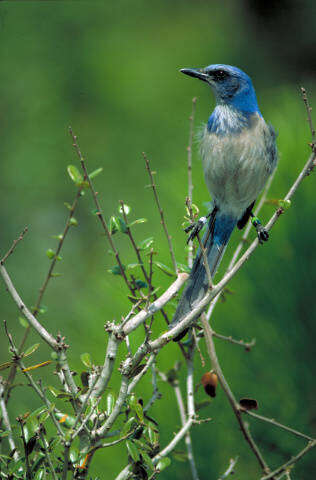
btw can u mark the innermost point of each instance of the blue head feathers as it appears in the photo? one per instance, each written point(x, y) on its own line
point(230, 85)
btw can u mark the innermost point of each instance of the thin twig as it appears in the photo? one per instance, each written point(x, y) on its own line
point(208, 335)
point(47, 454)
point(158, 304)
point(279, 425)
point(309, 113)
point(39, 391)
point(136, 379)
point(14, 244)
point(7, 423)
point(230, 469)
point(156, 394)
point(99, 210)
point(191, 409)
point(43, 288)
point(293, 460)
point(135, 247)
point(102, 431)
point(27, 461)
point(161, 213)
point(242, 343)
point(205, 262)
point(66, 460)
point(47, 337)
point(190, 182)
point(186, 427)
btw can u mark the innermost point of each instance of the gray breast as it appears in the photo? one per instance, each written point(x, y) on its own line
point(236, 167)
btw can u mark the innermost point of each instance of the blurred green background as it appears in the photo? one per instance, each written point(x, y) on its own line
point(110, 69)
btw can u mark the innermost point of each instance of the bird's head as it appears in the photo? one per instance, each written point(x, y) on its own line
point(230, 85)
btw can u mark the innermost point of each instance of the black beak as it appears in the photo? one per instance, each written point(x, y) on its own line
point(195, 72)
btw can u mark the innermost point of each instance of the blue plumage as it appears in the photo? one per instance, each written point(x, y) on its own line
point(238, 151)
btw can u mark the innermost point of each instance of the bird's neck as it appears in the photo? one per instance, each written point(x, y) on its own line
point(226, 119)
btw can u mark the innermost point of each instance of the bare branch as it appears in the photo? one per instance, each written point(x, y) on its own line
point(278, 424)
point(47, 337)
point(242, 343)
point(156, 305)
point(153, 186)
point(99, 210)
point(6, 421)
point(230, 469)
point(293, 460)
point(309, 114)
point(208, 335)
point(190, 182)
point(14, 244)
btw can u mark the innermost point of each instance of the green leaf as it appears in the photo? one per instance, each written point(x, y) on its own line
point(95, 173)
point(74, 174)
point(148, 461)
point(64, 419)
point(132, 401)
point(73, 222)
point(163, 463)
point(125, 208)
point(139, 411)
point(23, 322)
point(201, 405)
point(5, 365)
point(128, 426)
point(141, 284)
point(116, 270)
point(50, 253)
point(110, 402)
point(74, 454)
point(68, 205)
point(131, 266)
point(86, 359)
point(138, 221)
point(285, 204)
point(148, 242)
point(183, 268)
point(31, 349)
point(122, 225)
point(114, 225)
point(180, 455)
point(165, 269)
point(53, 391)
point(132, 450)
point(39, 475)
point(153, 437)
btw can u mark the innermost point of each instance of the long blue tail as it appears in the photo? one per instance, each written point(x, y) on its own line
point(215, 241)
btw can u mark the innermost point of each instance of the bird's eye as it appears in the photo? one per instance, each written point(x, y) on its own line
point(219, 75)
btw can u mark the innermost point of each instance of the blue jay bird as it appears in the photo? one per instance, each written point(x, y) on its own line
point(238, 151)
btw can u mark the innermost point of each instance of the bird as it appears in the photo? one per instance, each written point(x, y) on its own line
point(239, 153)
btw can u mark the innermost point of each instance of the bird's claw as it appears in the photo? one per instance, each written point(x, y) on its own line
point(263, 234)
point(195, 228)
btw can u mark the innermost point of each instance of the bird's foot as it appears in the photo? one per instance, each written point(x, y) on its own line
point(195, 228)
point(263, 234)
